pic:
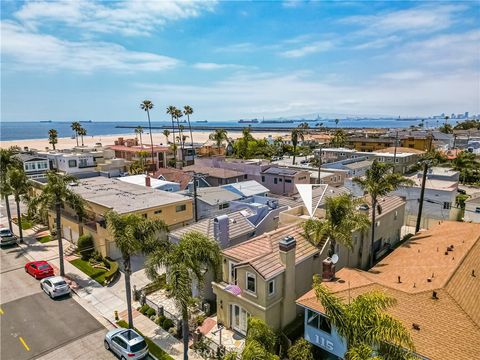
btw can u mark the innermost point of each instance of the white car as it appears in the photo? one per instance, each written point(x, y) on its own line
point(126, 344)
point(55, 286)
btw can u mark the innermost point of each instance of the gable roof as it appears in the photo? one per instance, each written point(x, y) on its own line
point(456, 313)
point(175, 175)
point(262, 252)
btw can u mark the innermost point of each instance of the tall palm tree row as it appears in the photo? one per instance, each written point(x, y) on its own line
point(76, 126)
point(139, 132)
point(20, 186)
point(379, 180)
point(147, 105)
point(188, 110)
point(7, 161)
point(369, 331)
point(171, 110)
point(219, 136)
point(132, 234)
point(82, 132)
point(189, 260)
point(55, 194)
point(53, 137)
point(342, 217)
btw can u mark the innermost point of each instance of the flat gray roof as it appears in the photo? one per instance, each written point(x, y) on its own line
point(123, 197)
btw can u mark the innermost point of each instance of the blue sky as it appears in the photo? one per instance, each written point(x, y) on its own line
point(89, 59)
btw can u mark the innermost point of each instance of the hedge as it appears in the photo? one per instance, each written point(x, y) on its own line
point(85, 246)
point(110, 274)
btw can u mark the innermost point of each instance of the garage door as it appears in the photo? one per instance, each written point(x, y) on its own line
point(74, 237)
point(67, 233)
point(113, 251)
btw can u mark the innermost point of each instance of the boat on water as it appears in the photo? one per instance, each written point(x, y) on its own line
point(277, 121)
point(85, 121)
point(253, 121)
point(45, 121)
point(201, 121)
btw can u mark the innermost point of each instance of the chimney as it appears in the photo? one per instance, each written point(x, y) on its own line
point(221, 231)
point(148, 181)
point(287, 249)
point(328, 270)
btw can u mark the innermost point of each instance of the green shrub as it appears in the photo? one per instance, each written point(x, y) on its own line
point(85, 246)
point(113, 270)
point(167, 324)
point(200, 319)
point(144, 308)
point(150, 312)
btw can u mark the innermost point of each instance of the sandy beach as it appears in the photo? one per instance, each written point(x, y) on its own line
point(158, 138)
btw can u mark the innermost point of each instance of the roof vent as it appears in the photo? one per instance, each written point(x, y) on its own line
point(434, 295)
point(473, 273)
point(416, 326)
point(399, 280)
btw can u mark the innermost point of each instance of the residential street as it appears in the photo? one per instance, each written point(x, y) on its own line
point(33, 325)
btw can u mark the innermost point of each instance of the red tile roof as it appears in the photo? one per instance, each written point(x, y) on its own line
point(175, 175)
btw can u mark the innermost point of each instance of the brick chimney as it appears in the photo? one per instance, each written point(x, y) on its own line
point(287, 247)
point(221, 230)
point(328, 270)
point(148, 181)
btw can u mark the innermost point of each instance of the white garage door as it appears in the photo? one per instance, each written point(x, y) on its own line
point(113, 252)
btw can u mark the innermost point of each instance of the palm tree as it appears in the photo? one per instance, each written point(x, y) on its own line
point(260, 341)
point(76, 126)
point(20, 185)
point(465, 163)
point(188, 110)
point(55, 193)
point(139, 132)
point(7, 160)
point(132, 234)
point(339, 139)
point(52, 137)
point(178, 115)
point(166, 133)
point(369, 331)
point(336, 123)
point(219, 136)
point(185, 262)
point(242, 148)
point(147, 105)
point(82, 132)
point(172, 111)
point(379, 180)
point(342, 217)
point(297, 134)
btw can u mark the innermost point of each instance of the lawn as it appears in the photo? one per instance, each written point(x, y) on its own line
point(96, 274)
point(153, 348)
point(45, 239)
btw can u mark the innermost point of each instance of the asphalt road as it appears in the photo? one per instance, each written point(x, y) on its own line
point(33, 325)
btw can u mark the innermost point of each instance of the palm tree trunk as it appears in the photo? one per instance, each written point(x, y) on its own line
point(190, 128)
point(19, 216)
point(185, 332)
point(58, 205)
point(76, 137)
point(151, 140)
point(333, 243)
point(9, 214)
point(374, 214)
point(128, 291)
point(294, 152)
point(173, 138)
point(82, 140)
point(180, 134)
point(141, 142)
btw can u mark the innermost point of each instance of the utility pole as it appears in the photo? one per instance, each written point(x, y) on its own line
point(422, 191)
point(195, 196)
point(395, 151)
point(319, 181)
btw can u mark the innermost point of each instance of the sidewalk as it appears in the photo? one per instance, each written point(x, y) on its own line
point(104, 300)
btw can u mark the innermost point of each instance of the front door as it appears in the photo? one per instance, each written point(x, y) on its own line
point(239, 318)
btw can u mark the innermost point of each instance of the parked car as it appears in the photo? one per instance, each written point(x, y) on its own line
point(7, 237)
point(126, 344)
point(39, 269)
point(54, 286)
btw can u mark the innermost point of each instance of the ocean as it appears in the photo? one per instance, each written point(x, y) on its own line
point(39, 130)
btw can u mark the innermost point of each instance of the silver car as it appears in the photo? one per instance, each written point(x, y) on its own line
point(126, 344)
point(55, 286)
point(7, 237)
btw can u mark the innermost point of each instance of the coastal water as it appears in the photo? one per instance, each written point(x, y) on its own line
point(39, 130)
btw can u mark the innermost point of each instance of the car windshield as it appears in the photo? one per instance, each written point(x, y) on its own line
point(43, 267)
point(60, 283)
point(5, 232)
point(138, 346)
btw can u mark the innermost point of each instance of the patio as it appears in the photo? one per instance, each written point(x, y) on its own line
point(232, 340)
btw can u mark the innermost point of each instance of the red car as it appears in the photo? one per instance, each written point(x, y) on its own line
point(39, 269)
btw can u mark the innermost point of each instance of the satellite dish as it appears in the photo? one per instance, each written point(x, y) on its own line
point(334, 258)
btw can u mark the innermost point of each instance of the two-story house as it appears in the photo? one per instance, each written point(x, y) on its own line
point(35, 166)
point(263, 276)
point(282, 181)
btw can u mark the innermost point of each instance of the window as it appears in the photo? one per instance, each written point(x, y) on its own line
point(120, 342)
point(263, 178)
point(145, 215)
point(395, 216)
point(275, 180)
point(245, 176)
point(396, 160)
point(158, 212)
point(477, 210)
point(232, 274)
point(288, 181)
point(29, 166)
point(280, 179)
point(138, 346)
point(180, 208)
point(82, 162)
point(302, 178)
point(72, 163)
point(223, 206)
point(318, 321)
point(447, 205)
point(271, 287)
point(251, 282)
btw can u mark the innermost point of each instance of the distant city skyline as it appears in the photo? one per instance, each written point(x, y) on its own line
point(97, 60)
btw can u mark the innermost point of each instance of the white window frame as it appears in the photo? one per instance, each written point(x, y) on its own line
point(268, 287)
point(247, 275)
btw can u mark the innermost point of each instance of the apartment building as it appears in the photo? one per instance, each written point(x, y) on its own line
point(436, 291)
point(263, 276)
point(102, 194)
